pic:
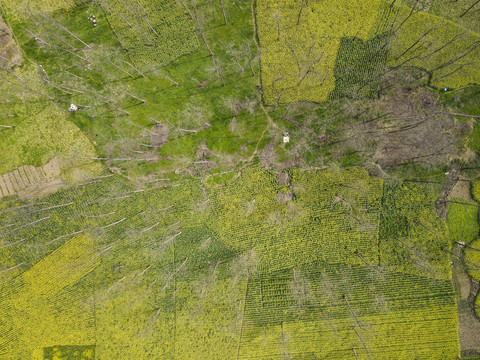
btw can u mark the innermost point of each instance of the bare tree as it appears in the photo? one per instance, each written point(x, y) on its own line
point(195, 18)
point(223, 12)
point(277, 19)
point(302, 6)
point(233, 105)
point(317, 59)
point(470, 8)
point(235, 53)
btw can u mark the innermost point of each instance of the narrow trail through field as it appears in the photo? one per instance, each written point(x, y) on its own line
point(468, 324)
point(458, 187)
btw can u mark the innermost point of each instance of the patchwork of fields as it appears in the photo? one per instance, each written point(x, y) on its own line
point(164, 272)
point(269, 179)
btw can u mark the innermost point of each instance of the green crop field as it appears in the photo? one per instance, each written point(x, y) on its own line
point(153, 267)
point(435, 41)
point(412, 237)
point(300, 46)
point(251, 217)
point(463, 221)
point(153, 34)
point(473, 256)
point(233, 179)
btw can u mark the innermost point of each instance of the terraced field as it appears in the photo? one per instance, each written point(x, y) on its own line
point(29, 181)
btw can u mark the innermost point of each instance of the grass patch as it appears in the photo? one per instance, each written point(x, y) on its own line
point(473, 141)
point(462, 219)
point(40, 130)
point(37, 6)
point(119, 105)
point(472, 259)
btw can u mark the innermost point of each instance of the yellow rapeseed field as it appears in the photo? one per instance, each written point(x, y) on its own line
point(43, 307)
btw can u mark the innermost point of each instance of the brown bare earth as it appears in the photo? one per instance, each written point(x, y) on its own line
point(268, 155)
point(284, 197)
point(441, 204)
point(10, 54)
point(461, 190)
point(203, 152)
point(159, 134)
point(28, 181)
point(150, 156)
point(402, 127)
point(416, 130)
point(203, 159)
point(284, 178)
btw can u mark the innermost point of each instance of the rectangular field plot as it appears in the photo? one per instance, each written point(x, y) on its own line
point(300, 41)
point(85, 352)
point(413, 239)
point(322, 50)
point(46, 305)
point(338, 311)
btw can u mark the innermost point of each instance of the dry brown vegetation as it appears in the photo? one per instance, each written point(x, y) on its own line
point(402, 127)
point(28, 181)
point(10, 53)
point(418, 130)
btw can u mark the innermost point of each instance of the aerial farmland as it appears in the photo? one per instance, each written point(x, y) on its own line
point(239, 180)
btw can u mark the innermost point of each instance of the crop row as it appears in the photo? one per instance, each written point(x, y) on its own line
point(153, 33)
point(389, 336)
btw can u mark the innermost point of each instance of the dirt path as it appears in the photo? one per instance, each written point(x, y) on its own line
point(458, 187)
point(441, 204)
point(468, 324)
point(10, 54)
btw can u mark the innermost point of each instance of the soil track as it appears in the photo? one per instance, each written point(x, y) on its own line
point(10, 54)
